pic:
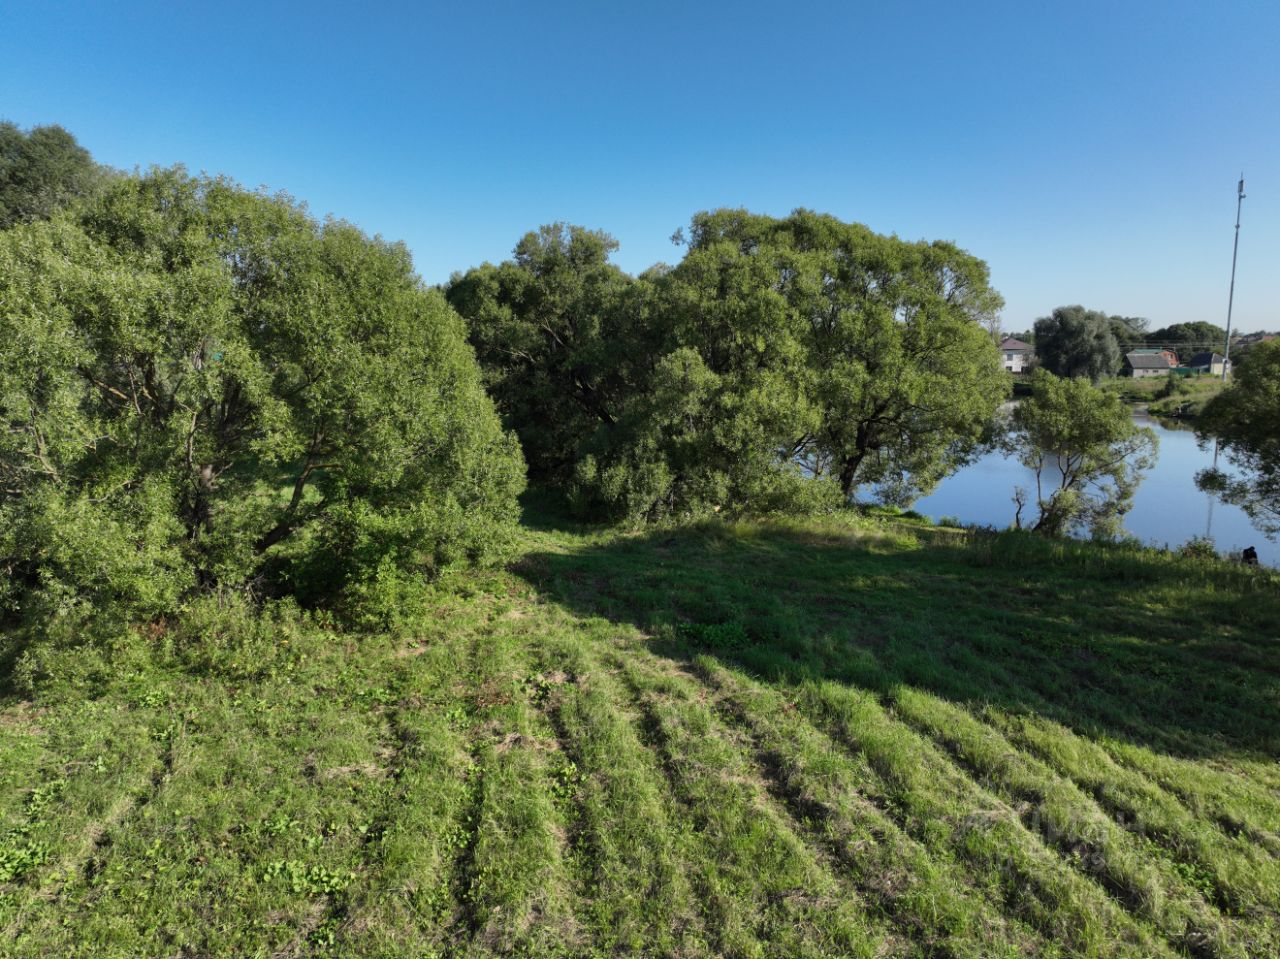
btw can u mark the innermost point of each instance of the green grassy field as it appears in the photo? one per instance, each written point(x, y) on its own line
point(1175, 397)
point(845, 737)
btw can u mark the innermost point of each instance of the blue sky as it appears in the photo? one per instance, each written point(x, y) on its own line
point(1087, 151)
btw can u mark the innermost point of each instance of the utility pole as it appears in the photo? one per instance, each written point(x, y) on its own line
point(1226, 350)
point(1235, 249)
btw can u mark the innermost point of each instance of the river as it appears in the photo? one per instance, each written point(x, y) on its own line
point(1167, 509)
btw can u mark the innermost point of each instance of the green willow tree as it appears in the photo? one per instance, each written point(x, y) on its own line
point(1188, 338)
point(1085, 451)
point(729, 398)
point(781, 365)
point(885, 343)
point(42, 170)
point(1076, 342)
point(1130, 331)
point(1245, 419)
point(206, 387)
point(549, 330)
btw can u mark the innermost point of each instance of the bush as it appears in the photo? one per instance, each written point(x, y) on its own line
point(206, 390)
point(215, 633)
point(1199, 547)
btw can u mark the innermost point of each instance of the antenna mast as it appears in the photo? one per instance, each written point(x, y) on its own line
point(1235, 249)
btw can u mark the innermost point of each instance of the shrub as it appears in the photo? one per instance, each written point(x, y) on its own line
point(1198, 547)
point(205, 389)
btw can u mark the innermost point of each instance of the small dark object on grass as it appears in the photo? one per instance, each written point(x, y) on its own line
point(1249, 557)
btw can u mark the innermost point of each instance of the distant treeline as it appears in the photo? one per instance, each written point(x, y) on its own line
point(1074, 341)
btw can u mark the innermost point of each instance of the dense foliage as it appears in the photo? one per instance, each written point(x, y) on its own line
point(784, 363)
point(40, 171)
point(778, 737)
point(1085, 452)
point(1129, 331)
point(1245, 419)
point(885, 338)
point(1188, 338)
point(204, 387)
point(1075, 342)
point(548, 330)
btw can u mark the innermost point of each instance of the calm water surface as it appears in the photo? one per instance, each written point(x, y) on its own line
point(1167, 509)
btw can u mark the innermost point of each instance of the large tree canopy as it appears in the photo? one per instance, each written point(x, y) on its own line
point(549, 330)
point(203, 383)
point(1245, 419)
point(883, 340)
point(40, 171)
point(724, 392)
point(782, 362)
point(1073, 341)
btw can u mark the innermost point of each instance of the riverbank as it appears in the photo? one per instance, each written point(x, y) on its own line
point(1168, 509)
point(840, 736)
point(1180, 398)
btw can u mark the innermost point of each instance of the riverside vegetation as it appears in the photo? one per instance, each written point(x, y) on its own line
point(1171, 398)
point(289, 668)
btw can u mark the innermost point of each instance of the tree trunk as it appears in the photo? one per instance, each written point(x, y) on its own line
point(200, 513)
point(848, 473)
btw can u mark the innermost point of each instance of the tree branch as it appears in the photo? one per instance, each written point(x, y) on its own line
point(289, 521)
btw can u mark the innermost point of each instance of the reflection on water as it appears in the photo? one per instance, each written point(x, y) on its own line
point(1167, 510)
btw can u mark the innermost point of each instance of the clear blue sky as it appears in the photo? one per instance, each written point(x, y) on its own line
point(1088, 151)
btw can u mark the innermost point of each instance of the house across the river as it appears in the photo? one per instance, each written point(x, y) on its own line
point(1017, 355)
point(1143, 363)
point(1169, 354)
point(1211, 363)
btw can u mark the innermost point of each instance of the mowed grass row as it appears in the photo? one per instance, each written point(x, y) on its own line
point(793, 739)
point(769, 892)
point(1180, 841)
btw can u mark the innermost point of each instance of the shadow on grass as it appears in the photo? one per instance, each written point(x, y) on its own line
point(546, 509)
point(1167, 653)
point(10, 652)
